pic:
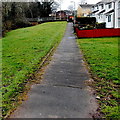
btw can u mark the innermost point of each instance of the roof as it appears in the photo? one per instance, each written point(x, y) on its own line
point(106, 1)
point(95, 11)
point(110, 11)
point(86, 5)
point(101, 11)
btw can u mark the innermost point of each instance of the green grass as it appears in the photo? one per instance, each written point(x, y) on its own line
point(101, 55)
point(22, 52)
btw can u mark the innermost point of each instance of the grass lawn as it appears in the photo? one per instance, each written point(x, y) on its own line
point(22, 51)
point(101, 55)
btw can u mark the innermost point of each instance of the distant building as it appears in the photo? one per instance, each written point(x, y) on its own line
point(61, 15)
point(84, 10)
point(68, 12)
point(107, 11)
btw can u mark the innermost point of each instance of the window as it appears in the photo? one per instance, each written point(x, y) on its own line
point(93, 8)
point(99, 16)
point(97, 6)
point(109, 5)
point(102, 6)
point(119, 5)
point(109, 18)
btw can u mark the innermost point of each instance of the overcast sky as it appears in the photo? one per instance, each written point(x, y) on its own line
point(66, 3)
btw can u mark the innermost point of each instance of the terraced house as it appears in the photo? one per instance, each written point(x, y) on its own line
point(107, 11)
point(84, 10)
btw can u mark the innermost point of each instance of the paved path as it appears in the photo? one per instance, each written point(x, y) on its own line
point(62, 93)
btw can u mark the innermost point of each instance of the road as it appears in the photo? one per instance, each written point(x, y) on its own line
point(62, 92)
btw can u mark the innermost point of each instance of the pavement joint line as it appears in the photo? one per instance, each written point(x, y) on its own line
point(69, 86)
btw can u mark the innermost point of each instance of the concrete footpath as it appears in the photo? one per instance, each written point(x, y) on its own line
point(62, 92)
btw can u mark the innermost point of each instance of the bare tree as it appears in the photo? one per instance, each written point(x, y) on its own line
point(71, 7)
point(83, 1)
point(14, 14)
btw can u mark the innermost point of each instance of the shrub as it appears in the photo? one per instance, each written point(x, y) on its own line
point(20, 24)
point(100, 25)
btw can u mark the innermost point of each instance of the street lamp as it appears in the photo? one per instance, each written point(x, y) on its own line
point(74, 11)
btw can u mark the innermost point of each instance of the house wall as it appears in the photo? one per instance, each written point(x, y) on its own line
point(100, 6)
point(107, 6)
point(83, 11)
point(99, 17)
point(110, 18)
point(102, 18)
point(79, 11)
point(110, 24)
point(96, 7)
point(86, 11)
point(117, 15)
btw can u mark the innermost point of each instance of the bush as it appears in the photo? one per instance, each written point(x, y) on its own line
point(100, 25)
point(21, 24)
point(6, 26)
point(11, 25)
point(87, 27)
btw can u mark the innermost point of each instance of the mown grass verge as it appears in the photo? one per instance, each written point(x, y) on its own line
point(22, 52)
point(101, 54)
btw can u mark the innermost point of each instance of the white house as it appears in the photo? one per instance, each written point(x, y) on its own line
point(110, 14)
point(107, 11)
point(117, 15)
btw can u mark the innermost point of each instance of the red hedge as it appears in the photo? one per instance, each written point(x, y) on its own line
point(108, 32)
